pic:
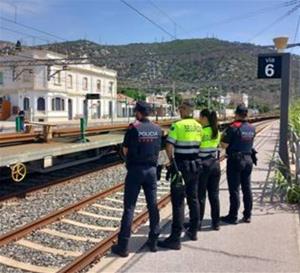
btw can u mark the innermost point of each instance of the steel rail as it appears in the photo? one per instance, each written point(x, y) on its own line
point(17, 138)
point(100, 249)
point(104, 246)
point(52, 217)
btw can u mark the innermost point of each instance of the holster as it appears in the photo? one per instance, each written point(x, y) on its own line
point(253, 156)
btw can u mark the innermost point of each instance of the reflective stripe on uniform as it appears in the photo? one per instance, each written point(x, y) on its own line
point(171, 140)
point(185, 135)
point(208, 150)
point(186, 151)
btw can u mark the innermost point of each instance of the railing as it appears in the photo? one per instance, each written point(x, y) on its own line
point(294, 141)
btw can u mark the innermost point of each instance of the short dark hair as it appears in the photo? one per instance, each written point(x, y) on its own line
point(241, 110)
point(143, 107)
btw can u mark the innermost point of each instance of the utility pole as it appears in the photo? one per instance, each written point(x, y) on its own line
point(209, 98)
point(173, 98)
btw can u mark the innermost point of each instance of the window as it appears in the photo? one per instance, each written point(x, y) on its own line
point(69, 81)
point(41, 104)
point(58, 104)
point(1, 77)
point(111, 87)
point(85, 83)
point(26, 104)
point(57, 79)
point(98, 85)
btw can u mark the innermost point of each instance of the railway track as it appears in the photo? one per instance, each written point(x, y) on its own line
point(7, 139)
point(87, 228)
point(104, 208)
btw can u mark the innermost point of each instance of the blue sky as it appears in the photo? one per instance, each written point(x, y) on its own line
point(112, 22)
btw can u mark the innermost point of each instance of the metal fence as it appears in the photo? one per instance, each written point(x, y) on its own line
point(294, 141)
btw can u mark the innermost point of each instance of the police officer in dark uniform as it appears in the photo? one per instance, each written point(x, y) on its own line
point(141, 146)
point(182, 149)
point(238, 140)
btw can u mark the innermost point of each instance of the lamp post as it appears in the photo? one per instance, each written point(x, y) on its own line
point(277, 65)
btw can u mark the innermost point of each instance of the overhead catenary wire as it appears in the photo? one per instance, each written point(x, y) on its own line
point(170, 18)
point(276, 21)
point(32, 28)
point(23, 33)
point(297, 30)
point(148, 19)
point(252, 14)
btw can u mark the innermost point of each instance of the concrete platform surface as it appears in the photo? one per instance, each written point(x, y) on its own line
point(34, 151)
point(269, 244)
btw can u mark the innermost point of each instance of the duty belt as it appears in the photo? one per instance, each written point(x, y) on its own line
point(236, 154)
point(204, 154)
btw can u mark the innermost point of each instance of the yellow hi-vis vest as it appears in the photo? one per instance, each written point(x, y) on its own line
point(209, 145)
point(186, 136)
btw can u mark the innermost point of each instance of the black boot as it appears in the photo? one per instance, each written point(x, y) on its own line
point(186, 225)
point(215, 225)
point(191, 234)
point(121, 248)
point(229, 219)
point(170, 242)
point(152, 244)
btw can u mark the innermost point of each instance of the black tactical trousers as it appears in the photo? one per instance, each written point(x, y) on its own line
point(190, 190)
point(209, 181)
point(239, 173)
point(140, 177)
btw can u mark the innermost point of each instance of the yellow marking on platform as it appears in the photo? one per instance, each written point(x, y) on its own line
point(28, 267)
point(69, 236)
point(82, 212)
point(40, 247)
point(75, 223)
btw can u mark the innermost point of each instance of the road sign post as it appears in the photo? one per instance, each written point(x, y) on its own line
point(276, 66)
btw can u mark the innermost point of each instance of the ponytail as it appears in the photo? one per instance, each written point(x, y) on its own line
point(212, 120)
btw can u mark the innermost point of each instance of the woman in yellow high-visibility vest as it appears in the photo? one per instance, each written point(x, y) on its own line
point(210, 177)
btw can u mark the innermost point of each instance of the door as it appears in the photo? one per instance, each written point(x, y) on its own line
point(26, 104)
point(70, 109)
point(110, 108)
point(99, 110)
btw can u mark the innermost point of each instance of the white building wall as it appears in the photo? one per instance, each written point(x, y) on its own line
point(39, 85)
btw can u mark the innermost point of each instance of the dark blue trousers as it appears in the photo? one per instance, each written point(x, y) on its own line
point(239, 174)
point(209, 182)
point(140, 177)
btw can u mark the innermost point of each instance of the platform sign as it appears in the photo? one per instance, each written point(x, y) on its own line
point(269, 67)
point(92, 96)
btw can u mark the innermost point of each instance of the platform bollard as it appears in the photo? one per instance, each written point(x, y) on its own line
point(82, 130)
point(18, 124)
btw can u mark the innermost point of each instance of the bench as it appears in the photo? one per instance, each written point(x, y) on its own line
point(47, 129)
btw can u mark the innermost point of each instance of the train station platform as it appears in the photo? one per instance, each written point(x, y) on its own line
point(38, 151)
point(270, 243)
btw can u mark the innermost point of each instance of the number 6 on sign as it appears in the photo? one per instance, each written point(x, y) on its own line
point(269, 70)
point(269, 66)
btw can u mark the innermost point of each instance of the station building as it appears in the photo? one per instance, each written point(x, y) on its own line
point(60, 97)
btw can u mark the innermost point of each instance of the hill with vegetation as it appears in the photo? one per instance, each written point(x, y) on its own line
point(192, 65)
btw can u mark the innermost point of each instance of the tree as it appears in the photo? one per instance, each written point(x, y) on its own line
point(134, 93)
point(207, 98)
point(178, 98)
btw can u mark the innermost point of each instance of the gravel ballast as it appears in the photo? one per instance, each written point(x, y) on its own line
point(23, 211)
